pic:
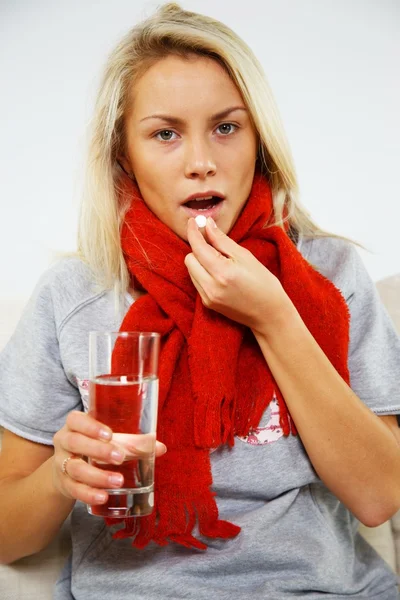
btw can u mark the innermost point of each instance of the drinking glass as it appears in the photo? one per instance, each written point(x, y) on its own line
point(123, 394)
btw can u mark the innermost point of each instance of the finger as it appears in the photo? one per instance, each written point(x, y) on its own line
point(81, 471)
point(160, 448)
point(139, 445)
point(198, 271)
point(84, 423)
point(76, 443)
point(190, 261)
point(221, 242)
point(85, 493)
point(205, 253)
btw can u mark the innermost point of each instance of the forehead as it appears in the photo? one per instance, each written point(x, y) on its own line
point(183, 86)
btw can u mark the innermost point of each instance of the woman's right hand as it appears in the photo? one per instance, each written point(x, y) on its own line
point(82, 436)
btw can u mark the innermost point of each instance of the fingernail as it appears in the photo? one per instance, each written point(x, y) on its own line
point(161, 447)
point(212, 222)
point(105, 434)
point(117, 456)
point(116, 480)
point(100, 497)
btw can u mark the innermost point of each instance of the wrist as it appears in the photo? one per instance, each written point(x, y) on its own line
point(285, 316)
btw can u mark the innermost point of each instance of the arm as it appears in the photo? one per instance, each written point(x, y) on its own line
point(32, 510)
point(36, 496)
point(353, 451)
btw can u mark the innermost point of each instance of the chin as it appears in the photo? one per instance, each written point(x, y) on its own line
point(181, 234)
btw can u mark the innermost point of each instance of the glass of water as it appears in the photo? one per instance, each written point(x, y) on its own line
point(123, 394)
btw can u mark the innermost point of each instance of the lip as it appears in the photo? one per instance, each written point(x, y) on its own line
point(208, 212)
point(204, 195)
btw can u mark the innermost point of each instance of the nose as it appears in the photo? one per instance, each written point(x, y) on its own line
point(199, 162)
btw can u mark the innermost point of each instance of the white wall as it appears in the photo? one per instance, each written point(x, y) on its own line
point(333, 66)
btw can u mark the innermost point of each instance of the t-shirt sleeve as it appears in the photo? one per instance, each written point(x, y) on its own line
point(35, 393)
point(374, 352)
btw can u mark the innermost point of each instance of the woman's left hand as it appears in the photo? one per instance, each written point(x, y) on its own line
point(231, 281)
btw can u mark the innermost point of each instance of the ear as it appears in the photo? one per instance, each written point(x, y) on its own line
point(125, 166)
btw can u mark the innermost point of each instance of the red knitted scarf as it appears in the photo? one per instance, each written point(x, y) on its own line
point(214, 381)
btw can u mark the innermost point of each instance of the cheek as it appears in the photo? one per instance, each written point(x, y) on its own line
point(240, 159)
point(154, 194)
point(156, 203)
point(155, 174)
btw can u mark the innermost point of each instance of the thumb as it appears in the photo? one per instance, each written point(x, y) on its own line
point(221, 242)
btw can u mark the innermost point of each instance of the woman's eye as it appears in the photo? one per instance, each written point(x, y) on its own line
point(165, 135)
point(227, 128)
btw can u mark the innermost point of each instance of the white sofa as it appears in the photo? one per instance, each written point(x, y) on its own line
point(33, 577)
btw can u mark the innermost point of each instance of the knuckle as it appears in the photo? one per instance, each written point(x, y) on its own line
point(73, 418)
point(72, 442)
point(227, 277)
point(215, 296)
point(223, 280)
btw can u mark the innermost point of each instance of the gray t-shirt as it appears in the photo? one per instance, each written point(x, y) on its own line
point(297, 539)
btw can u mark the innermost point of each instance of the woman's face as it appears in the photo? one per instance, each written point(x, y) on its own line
point(189, 137)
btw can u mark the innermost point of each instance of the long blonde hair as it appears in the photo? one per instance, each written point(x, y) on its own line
point(172, 30)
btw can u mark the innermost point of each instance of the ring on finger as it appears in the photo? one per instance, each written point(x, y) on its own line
point(65, 463)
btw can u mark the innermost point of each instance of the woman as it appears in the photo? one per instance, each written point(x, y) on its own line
point(279, 367)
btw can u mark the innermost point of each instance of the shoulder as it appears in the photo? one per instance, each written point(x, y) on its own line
point(335, 258)
point(63, 288)
point(70, 279)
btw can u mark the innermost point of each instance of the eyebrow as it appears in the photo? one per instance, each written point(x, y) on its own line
point(177, 121)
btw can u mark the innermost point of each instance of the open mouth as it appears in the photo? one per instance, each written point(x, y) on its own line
point(203, 204)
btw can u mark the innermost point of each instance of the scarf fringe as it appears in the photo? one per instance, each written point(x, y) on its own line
point(176, 513)
point(214, 421)
point(141, 529)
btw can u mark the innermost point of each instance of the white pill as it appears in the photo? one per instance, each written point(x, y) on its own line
point(201, 220)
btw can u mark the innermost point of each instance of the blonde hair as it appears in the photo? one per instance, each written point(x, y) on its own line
point(172, 30)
